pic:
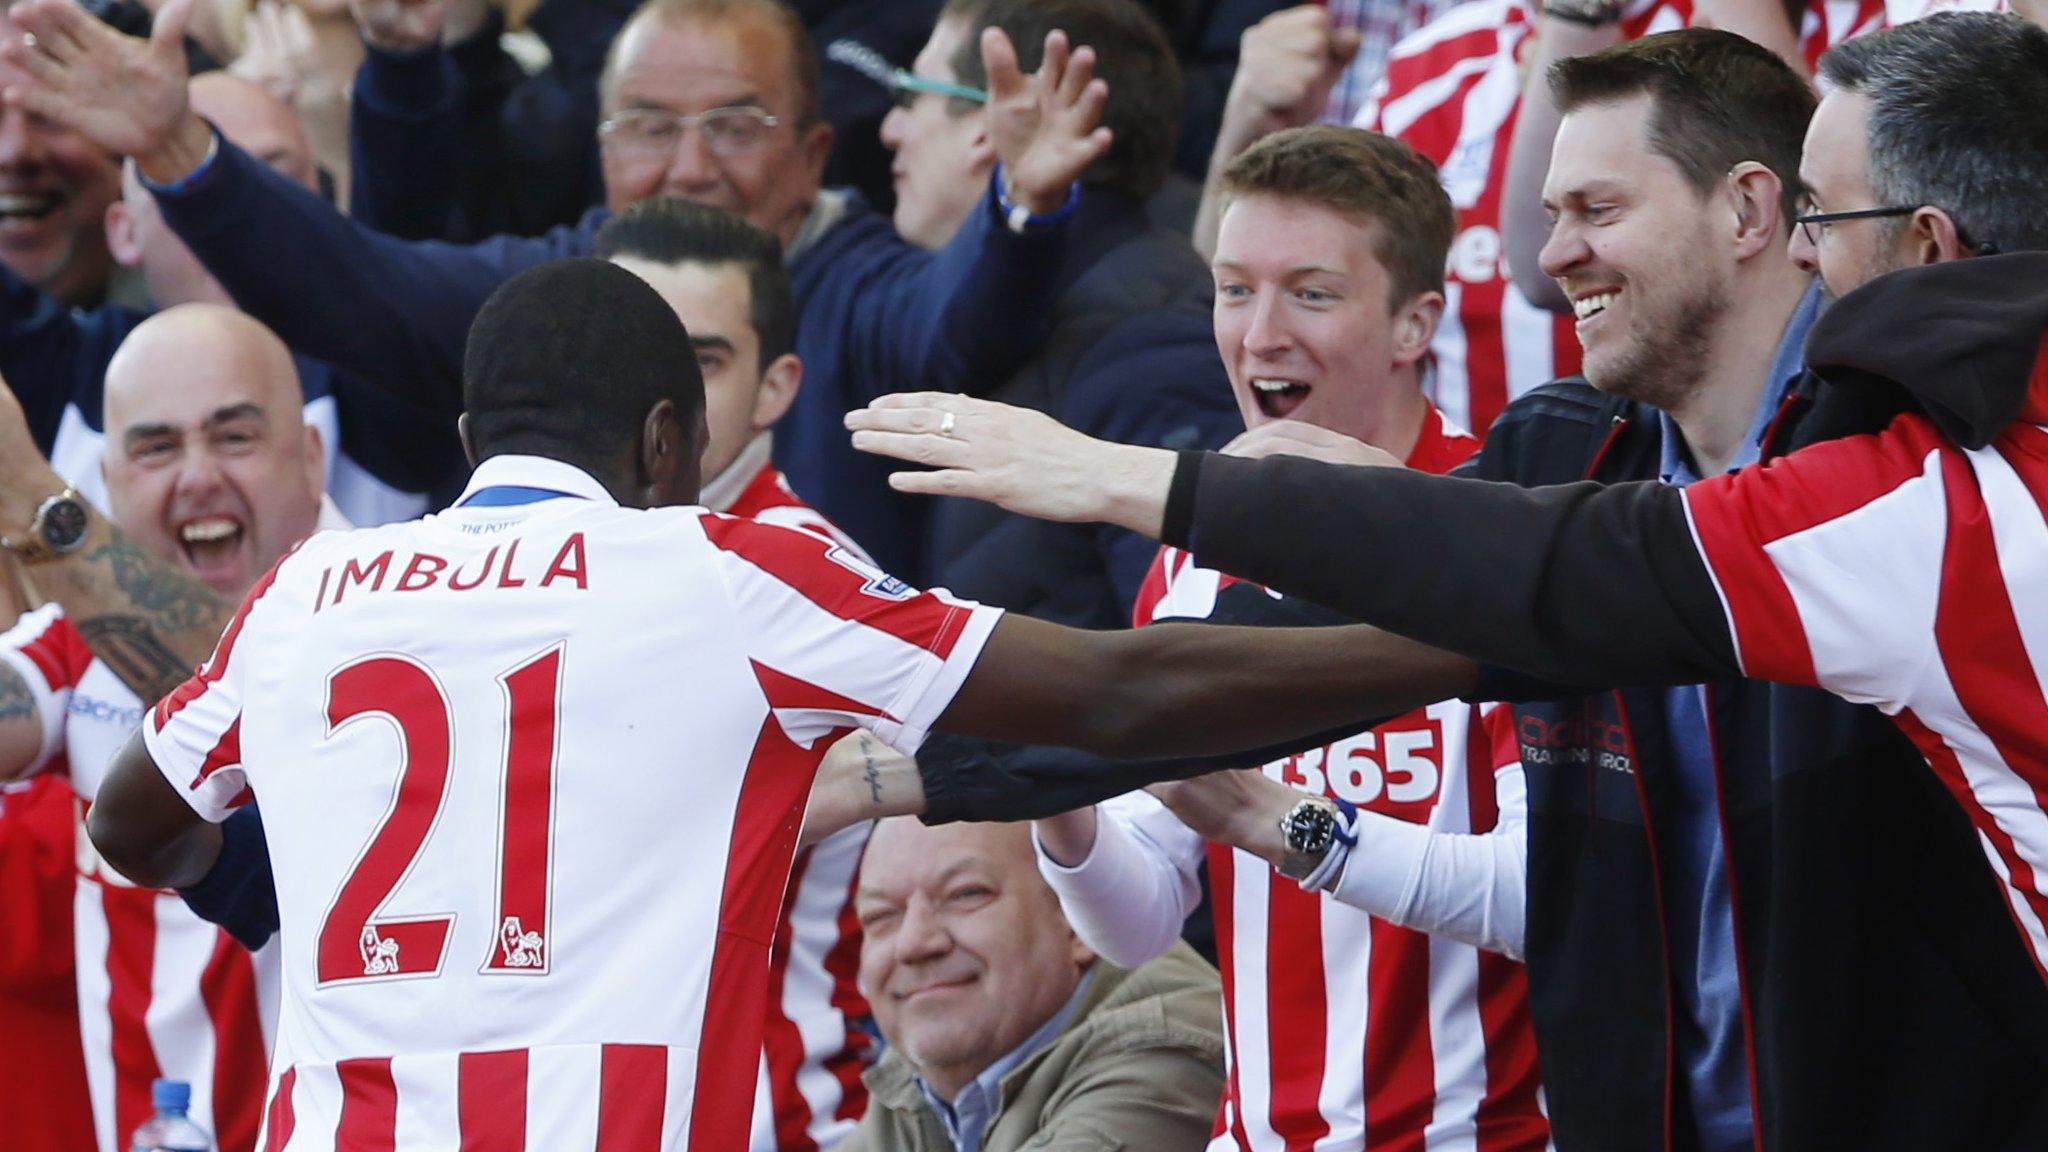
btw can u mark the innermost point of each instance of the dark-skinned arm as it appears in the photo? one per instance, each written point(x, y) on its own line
point(144, 829)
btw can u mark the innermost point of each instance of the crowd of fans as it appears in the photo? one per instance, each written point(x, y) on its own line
point(241, 250)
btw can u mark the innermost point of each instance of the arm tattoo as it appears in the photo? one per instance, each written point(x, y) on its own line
point(16, 701)
point(872, 774)
point(169, 597)
point(133, 651)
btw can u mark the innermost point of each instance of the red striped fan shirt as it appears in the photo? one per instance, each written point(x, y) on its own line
point(1343, 1031)
point(1902, 571)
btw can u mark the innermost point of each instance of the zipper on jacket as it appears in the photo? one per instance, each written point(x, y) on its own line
point(1615, 428)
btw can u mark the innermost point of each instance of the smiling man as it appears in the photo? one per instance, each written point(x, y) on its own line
point(210, 466)
point(1004, 1030)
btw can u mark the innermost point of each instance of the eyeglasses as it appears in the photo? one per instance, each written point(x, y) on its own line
point(904, 87)
point(648, 133)
point(1814, 224)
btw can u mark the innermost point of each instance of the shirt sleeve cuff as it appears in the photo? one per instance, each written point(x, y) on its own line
point(1381, 875)
point(190, 179)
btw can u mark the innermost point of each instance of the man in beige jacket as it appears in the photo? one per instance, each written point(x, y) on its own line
point(1003, 1030)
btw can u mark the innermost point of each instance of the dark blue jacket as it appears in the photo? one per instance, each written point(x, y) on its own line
point(875, 314)
point(55, 359)
point(459, 143)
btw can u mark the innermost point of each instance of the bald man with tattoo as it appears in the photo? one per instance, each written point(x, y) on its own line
point(211, 476)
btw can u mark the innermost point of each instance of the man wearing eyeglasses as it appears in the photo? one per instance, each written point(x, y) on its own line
point(711, 100)
point(1755, 919)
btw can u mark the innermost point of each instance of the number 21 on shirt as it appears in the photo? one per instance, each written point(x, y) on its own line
point(356, 943)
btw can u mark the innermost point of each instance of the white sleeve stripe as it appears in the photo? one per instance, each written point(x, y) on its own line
point(1699, 547)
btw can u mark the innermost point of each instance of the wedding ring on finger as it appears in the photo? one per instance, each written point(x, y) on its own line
point(946, 424)
point(28, 41)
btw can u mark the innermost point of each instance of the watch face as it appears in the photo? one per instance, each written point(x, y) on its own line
point(1310, 829)
point(62, 524)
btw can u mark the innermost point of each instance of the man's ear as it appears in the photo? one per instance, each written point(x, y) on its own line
point(981, 148)
point(1415, 327)
point(779, 384)
point(816, 145)
point(468, 442)
point(316, 459)
point(122, 241)
point(1931, 238)
point(662, 447)
point(1756, 197)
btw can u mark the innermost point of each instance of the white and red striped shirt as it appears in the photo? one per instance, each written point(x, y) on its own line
point(1902, 571)
point(1344, 1030)
point(1451, 92)
point(531, 903)
point(811, 1095)
point(160, 991)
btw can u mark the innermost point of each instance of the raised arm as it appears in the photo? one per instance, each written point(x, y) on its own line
point(970, 313)
point(391, 311)
point(1524, 224)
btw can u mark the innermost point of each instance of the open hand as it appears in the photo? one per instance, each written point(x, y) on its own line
point(1044, 125)
point(1015, 458)
point(124, 94)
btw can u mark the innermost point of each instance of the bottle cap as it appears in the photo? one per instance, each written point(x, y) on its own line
point(170, 1095)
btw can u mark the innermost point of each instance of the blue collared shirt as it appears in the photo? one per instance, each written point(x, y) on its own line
point(969, 1114)
point(1709, 1033)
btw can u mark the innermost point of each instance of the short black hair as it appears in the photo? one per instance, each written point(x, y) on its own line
point(566, 359)
point(1132, 55)
point(670, 231)
point(1717, 100)
point(1949, 124)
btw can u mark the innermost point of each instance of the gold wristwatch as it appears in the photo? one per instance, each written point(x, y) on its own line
point(57, 530)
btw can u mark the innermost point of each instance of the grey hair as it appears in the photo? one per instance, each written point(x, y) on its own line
point(1957, 121)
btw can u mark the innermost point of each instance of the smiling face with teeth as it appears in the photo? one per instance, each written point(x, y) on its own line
point(209, 461)
point(1306, 321)
point(1636, 249)
point(54, 193)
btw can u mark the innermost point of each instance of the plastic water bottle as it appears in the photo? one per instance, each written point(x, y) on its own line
point(169, 1130)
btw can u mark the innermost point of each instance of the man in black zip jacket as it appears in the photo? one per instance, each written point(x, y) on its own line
point(1882, 999)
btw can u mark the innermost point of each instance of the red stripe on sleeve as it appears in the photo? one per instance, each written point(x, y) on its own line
point(491, 1100)
point(369, 1106)
point(226, 753)
point(1737, 515)
point(786, 692)
point(131, 960)
point(633, 1098)
point(228, 986)
point(184, 694)
point(60, 654)
point(282, 1119)
point(840, 583)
